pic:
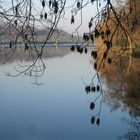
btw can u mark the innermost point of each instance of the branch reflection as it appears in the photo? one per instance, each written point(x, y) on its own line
point(34, 71)
point(123, 92)
point(123, 87)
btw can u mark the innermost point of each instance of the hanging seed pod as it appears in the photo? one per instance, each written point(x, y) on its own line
point(108, 1)
point(87, 89)
point(89, 24)
point(50, 3)
point(93, 89)
point(26, 37)
point(26, 47)
point(41, 16)
point(92, 1)
point(92, 105)
point(45, 15)
point(56, 10)
point(55, 5)
point(43, 3)
point(108, 32)
point(98, 121)
point(16, 22)
point(99, 4)
point(16, 9)
point(92, 38)
point(81, 50)
point(94, 54)
point(86, 50)
point(92, 120)
point(98, 88)
point(97, 33)
point(109, 60)
point(104, 55)
point(72, 48)
point(85, 37)
point(104, 14)
point(95, 66)
point(108, 44)
point(78, 4)
point(10, 45)
point(78, 48)
point(72, 19)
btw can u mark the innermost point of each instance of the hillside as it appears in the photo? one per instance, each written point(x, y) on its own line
point(11, 30)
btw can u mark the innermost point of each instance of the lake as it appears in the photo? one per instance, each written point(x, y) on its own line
point(59, 108)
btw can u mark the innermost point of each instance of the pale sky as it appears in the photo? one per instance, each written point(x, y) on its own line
point(65, 23)
point(88, 12)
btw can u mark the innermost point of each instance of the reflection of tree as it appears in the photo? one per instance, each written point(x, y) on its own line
point(22, 58)
point(21, 18)
point(123, 92)
point(108, 28)
point(133, 130)
point(123, 87)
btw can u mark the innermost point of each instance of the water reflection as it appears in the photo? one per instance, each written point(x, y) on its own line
point(124, 87)
point(123, 92)
point(133, 130)
point(59, 109)
point(34, 67)
point(22, 56)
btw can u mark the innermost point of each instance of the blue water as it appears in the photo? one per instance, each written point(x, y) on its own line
point(58, 109)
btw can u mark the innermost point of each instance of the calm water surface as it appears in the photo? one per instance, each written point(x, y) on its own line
point(59, 108)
